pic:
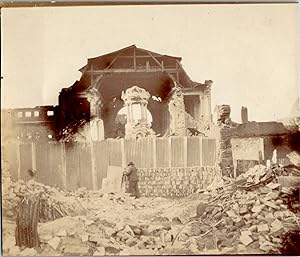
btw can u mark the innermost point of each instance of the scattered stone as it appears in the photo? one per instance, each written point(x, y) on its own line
point(54, 242)
point(119, 226)
point(76, 250)
point(258, 208)
point(231, 214)
point(273, 185)
point(241, 248)
point(128, 230)
point(88, 222)
point(111, 250)
point(243, 209)
point(276, 225)
point(62, 233)
point(137, 231)
point(246, 232)
point(93, 238)
point(85, 238)
point(131, 241)
point(262, 228)
point(100, 251)
point(125, 252)
point(246, 239)
point(28, 252)
point(253, 228)
point(44, 238)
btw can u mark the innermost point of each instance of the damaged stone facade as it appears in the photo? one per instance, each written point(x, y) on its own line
point(177, 113)
point(89, 109)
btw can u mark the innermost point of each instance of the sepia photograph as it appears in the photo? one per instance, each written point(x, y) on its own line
point(150, 129)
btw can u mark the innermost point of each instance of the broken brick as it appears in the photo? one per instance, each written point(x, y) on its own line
point(262, 228)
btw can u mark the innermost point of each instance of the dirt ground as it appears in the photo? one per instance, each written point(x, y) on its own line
point(109, 213)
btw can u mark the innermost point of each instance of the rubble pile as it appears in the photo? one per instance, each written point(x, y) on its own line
point(248, 214)
point(55, 203)
point(105, 231)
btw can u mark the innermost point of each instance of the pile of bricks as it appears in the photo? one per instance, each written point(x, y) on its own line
point(250, 212)
point(175, 181)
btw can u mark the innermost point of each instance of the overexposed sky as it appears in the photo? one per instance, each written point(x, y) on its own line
point(250, 52)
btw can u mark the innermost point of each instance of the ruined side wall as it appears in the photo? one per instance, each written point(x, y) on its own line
point(175, 182)
point(271, 136)
point(225, 158)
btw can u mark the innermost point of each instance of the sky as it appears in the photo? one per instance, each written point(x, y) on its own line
point(250, 52)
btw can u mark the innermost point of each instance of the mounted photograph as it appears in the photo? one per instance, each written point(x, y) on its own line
point(154, 129)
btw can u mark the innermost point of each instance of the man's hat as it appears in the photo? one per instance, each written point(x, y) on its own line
point(130, 163)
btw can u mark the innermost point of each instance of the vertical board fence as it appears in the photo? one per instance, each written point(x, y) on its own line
point(75, 165)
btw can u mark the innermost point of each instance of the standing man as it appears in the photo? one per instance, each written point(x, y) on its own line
point(131, 173)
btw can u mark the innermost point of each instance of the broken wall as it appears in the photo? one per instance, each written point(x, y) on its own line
point(269, 136)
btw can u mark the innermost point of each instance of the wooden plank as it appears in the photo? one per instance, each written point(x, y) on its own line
point(177, 148)
point(185, 151)
point(123, 153)
point(162, 152)
point(55, 175)
point(85, 166)
point(42, 162)
point(33, 155)
point(154, 152)
point(193, 151)
point(101, 158)
point(201, 150)
point(146, 152)
point(115, 152)
point(93, 167)
point(209, 152)
point(132, 150)
point(25, 160)
point(72, 164)
point(64, 165)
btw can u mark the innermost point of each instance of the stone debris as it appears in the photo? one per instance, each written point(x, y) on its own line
point(248, 214)
point(55, 203)
point(54, 242)
point(246, 239)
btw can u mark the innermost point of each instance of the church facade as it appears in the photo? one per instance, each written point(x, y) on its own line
point(128, 93)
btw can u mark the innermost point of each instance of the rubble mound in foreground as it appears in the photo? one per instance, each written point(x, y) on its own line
point(246, 215)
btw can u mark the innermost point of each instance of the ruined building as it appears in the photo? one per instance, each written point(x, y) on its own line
point(131, 92)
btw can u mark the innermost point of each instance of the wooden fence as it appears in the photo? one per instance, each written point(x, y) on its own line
point(75, 165)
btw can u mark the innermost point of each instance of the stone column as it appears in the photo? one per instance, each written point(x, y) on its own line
point(177, 113)
point(95, 127)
